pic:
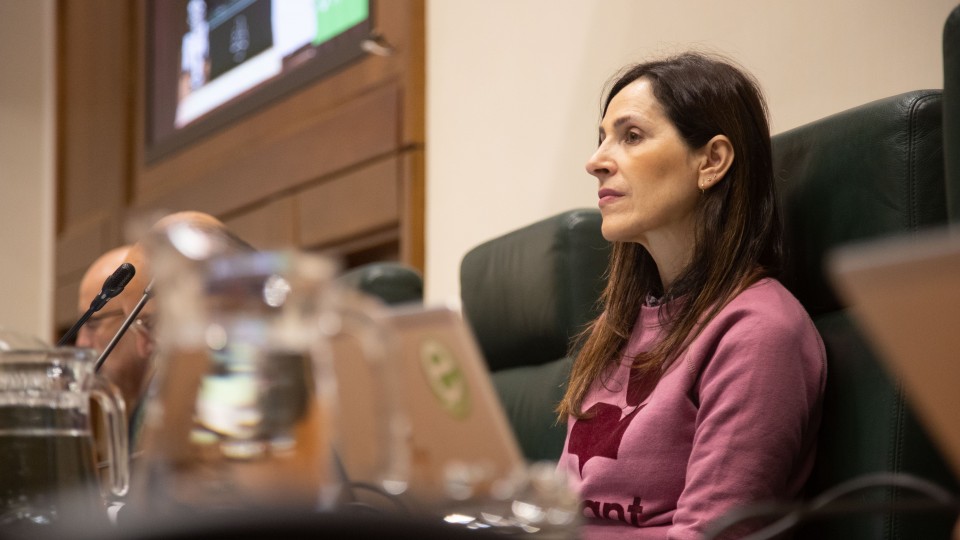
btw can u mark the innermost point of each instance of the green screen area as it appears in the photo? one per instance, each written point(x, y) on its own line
point(335, 16)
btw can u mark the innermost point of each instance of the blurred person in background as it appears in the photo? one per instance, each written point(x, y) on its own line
point(128, 365)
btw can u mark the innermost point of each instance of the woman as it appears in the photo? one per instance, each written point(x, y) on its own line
point(698, 388)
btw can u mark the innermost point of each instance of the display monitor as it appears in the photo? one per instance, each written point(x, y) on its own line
point(211, 62)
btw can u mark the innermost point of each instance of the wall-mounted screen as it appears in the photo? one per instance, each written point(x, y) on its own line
point(210, 62)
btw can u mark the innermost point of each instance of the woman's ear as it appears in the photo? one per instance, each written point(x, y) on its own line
point(717, 157)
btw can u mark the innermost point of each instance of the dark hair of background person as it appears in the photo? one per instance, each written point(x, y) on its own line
point(738, 229)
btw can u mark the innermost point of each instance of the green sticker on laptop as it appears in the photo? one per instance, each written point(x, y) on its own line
point(445, 377)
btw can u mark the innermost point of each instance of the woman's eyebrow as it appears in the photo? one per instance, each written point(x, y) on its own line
point(621, 120)
point(625, 118)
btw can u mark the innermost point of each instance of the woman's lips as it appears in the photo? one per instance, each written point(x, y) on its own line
point(607, 196)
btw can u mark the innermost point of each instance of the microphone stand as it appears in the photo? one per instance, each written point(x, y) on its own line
point(75, 328)
point(147, 294)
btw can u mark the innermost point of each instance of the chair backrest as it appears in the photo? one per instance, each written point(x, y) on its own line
point(951, 111)
point(391, 282)
point(528, 292)
point(872, 171)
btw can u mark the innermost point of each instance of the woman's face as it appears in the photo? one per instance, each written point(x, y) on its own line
point(647, 174)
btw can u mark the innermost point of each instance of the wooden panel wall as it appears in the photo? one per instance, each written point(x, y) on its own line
point(335, 167)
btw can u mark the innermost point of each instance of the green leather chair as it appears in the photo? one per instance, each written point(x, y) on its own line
point(391, 282)
point(526, 294)
point(951, 112)
point(869, 172)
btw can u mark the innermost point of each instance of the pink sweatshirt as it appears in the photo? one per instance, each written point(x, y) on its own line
point(734, 420)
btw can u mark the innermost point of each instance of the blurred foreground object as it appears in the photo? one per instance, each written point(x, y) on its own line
point(12, 340)
point(129, 361)
point(240, 415)
point(46, 447)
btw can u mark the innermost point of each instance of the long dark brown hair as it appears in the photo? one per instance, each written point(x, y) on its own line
point(738, 232)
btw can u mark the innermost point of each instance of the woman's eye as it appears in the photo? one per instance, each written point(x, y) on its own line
point(632, 136)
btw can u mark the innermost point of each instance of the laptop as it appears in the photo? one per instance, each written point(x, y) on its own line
point(905, 292)
point(459, 440)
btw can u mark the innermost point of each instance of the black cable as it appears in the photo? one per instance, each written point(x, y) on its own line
point(395, 500)
point(349, 489)
point(828, 504)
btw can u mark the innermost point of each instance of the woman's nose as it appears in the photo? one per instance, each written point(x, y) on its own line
point(600, 164)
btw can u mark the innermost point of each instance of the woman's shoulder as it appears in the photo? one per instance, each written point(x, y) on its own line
point(765, 323)
point(767, 308)
point(767, 297)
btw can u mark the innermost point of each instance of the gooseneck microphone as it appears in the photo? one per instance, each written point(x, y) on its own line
point(112, 286)
point(147, 293)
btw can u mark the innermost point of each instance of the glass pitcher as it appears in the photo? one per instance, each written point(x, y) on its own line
point(48, 474)
point(240, 414)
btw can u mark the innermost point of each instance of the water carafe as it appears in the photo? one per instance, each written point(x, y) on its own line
point(48, 475)
point(241, 414)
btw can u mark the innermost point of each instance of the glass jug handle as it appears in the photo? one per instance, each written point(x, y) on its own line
point(350, 318)
point(115, 419)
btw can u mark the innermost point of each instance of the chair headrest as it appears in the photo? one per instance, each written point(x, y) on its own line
point(391, 282)
point(527, 293)
point(951, 111)
point(875, 170)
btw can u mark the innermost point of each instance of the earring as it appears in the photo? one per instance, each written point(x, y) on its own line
point(703, 188)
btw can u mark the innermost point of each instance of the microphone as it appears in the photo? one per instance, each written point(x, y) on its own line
point(147, 294)
point(112, 286)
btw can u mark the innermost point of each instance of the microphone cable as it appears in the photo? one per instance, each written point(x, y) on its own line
point(831, 503)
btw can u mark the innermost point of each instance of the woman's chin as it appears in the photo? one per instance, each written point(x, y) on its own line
point(613, 230)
